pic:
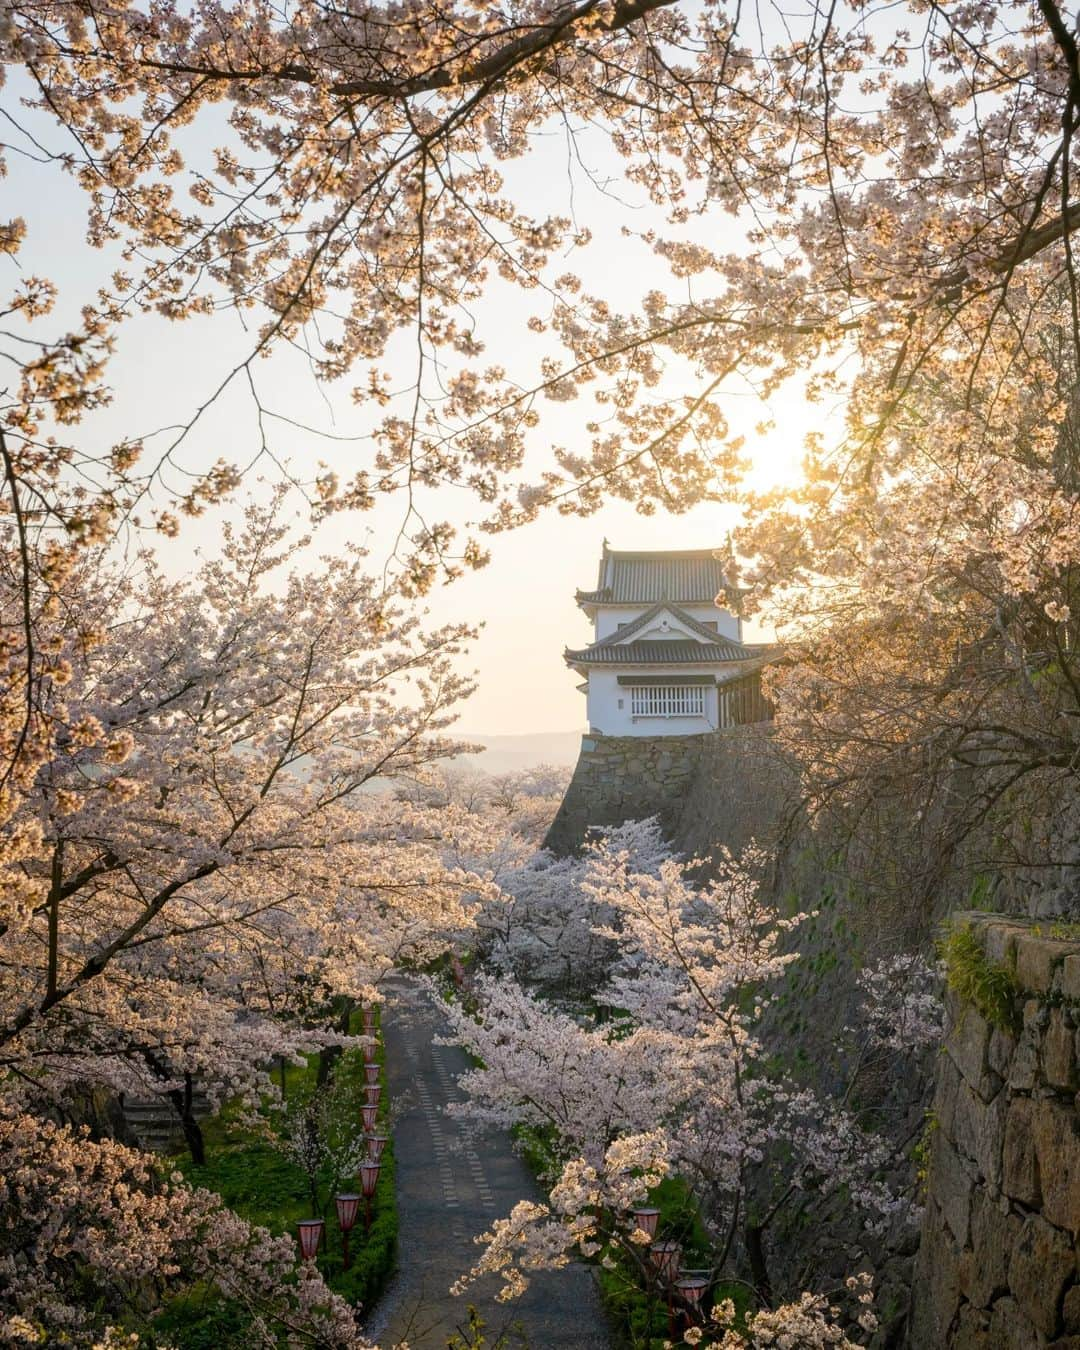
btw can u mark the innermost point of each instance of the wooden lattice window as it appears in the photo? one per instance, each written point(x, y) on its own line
point(667, 700)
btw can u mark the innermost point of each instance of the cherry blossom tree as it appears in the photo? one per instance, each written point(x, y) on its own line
point(680, 1081)
point(81, 1215)
point(901, 1005)
point(208, 873)
point(322, 1133)
point(523, 801)
point(542, 929)
point(871, 207)
point(898, 183)
point(204, 880)
point(868, 208)
point(931, 692)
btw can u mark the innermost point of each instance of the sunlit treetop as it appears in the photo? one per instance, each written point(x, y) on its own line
point(899, 177)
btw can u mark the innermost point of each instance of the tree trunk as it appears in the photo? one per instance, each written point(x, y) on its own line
point(755, 1250)
point(193, 1135)
point(181, 1100)
point(329, 1057)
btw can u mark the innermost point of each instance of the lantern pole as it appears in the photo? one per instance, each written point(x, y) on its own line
point(348, 1205)
point(665, 1257)
point(369, 1179)
point(691, 1288)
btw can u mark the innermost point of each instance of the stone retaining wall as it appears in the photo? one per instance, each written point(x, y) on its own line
point(997, 1266)
point(620, 778)
point(741, 792)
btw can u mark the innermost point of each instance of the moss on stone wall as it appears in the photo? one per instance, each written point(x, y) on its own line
point(989, 987)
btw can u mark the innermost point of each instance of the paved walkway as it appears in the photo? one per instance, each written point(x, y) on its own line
point(451, 1185)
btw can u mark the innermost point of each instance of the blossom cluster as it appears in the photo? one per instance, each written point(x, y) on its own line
point(81, 1214)
point(202, 883)
point(676, 1078)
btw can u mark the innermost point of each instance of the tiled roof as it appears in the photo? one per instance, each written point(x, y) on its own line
point(693, 576)
point(658, 653)
point(756, 661)
point(644, 620)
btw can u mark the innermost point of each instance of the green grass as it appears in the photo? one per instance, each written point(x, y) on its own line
point(266, 1188)
point(989, 988)
point(200, 1320)
point(536, 1147)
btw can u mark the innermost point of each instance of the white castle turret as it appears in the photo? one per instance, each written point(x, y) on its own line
point(662, 651)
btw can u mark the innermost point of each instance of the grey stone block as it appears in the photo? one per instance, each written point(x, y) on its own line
point(979, 1132)
point(1002, 1049)
point(936, 1284)
point(1010, 1329)
point(968, 1044)
point(952, 1187)
point(1020, 1173)
point(1037, 960)
point(1041, 1265)
point(1000, 942)
point(1056, 1134)
point(1058, 1050)
point(1070, 978)
point(984, 1267)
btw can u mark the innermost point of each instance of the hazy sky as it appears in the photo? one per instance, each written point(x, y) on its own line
point(525, 596)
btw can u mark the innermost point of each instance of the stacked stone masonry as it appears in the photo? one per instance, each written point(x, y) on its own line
point(997, 1266)
point(723, 787)
point(620, 778)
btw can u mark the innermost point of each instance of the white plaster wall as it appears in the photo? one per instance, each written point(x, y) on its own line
point(727, 624)
point(605, 716)
point(608, 620)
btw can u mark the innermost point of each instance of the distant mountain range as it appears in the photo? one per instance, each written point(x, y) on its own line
point(502, 754)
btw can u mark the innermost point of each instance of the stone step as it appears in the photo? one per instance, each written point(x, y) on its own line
point(154, 1122)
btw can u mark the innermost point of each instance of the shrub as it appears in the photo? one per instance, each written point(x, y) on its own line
point(991, 989)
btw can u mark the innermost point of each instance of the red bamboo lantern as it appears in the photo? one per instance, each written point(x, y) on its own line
point(369, 1016)
point(665, 1258)
point(310, 1231)
point(348, 1207)
point(691, 1287)
point(375, 1145)
point(369, 1179)
point(369, 1114)
point(371, 1072)
point(370, 1050)
point(373, 1091)
point(646, 1218)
